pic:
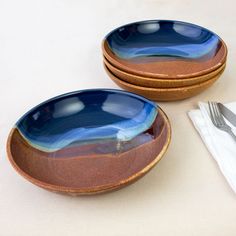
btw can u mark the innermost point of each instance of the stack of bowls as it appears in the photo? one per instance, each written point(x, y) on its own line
point(164, 60)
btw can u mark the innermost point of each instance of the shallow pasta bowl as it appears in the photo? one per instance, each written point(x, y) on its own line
point(164, 49)
point(89, 141)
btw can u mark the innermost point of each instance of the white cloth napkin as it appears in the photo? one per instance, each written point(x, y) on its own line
point(220, 144)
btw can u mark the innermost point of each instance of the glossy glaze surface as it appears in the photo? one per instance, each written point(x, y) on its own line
point(87, 118)
point(164, 48)
point(89, 141)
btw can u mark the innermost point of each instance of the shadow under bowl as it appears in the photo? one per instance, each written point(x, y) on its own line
point(164, 49)
point(164, 94)
point(158, 82)
point(89, 141)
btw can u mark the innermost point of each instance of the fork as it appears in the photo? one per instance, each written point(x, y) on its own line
point(218, 120)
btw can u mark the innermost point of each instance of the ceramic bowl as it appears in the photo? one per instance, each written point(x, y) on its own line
point(163, 94)
point(164, 49)
point(158, 82)
point(89, 141)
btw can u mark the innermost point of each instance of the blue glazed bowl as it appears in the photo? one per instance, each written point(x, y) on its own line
point(164, 48)
point(89, 141)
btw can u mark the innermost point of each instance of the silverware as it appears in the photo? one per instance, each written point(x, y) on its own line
point(227, 113)
point(218, 119)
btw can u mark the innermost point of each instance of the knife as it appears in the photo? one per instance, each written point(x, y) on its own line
point(227, 113)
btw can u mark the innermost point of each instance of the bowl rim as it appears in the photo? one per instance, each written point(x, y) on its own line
point(100, 188)
point(155, 75)
point(151, 79)
point(155, 89)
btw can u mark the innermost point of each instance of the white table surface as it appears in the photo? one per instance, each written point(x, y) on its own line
point(50, 47)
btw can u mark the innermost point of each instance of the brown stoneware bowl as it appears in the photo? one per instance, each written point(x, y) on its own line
point(164, 49)
point(164, 94)
point(89, 141)
point(158, 82)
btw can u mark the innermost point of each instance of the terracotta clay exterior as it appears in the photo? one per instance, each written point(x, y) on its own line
point(89, 174)
point(158, 82)
point(164, 94)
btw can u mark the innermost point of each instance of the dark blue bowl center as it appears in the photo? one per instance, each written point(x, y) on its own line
point(150, 40)
point(105, 118)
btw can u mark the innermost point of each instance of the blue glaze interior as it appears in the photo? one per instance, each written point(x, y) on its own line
point(86, 117)
point(163, 38)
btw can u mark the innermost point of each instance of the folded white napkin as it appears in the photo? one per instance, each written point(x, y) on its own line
point(220, 144)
